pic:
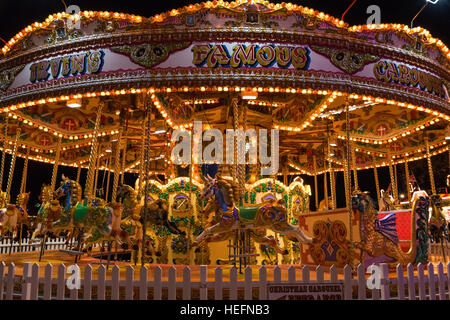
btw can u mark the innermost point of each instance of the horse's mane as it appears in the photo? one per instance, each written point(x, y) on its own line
point(232, 188)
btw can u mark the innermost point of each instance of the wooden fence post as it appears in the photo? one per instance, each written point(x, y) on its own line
point(248, 284)
point(400, 282)
point(61, 282)
point(87, 283)
point(26, 281)
point(34, 281)
point(172, 283)
point(129, 283)
point(10, 281)
point(143, 276)
point(361, 272)
point(348, 282)
point(48, 282)
point(233, 283)
point(384, 281)
point(186, 283)
point(411, 282)
point(203, 283)
point(2, 279)
point(115, 287)
point(262, 283)
point(157, 287)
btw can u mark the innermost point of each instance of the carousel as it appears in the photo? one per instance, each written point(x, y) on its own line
point(106, 92)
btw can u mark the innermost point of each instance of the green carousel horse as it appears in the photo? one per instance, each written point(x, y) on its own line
point(270, 215)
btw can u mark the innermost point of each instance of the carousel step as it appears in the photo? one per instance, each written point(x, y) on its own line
point(244, 255)
point(71, 252)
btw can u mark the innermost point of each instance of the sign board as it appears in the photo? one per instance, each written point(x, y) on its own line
point(305, 291)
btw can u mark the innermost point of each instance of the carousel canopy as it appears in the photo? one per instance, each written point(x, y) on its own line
point(291, 67)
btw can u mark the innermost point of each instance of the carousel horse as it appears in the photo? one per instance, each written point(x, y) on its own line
point(269, 215)
point(14, 216)
point(112, 232)
point(379, 237)
point(323, 205)
point(133, 222)
point(438, 222)
point(386, 201)
point(49, 212)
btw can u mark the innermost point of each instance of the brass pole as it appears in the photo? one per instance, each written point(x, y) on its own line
point(13, 163)
point(5, 135)
point(124, 157)
point(117, 165)
point(23, 185)
point(96, 172)
point(315, 183)
point(408, 193)
point(108, 179)
point(325, 187)
point(332, 179)
point(148, 107)
point(93, 157)
point(78, 173)
point(56, 164)
point(349, 181)
point(377, 184)
point(142, 174)
point(430, 166)
point(392, 176)
point(355, 170)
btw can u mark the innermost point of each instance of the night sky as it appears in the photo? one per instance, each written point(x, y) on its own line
point(15, 15)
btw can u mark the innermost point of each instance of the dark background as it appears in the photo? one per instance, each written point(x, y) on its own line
point(16, 15)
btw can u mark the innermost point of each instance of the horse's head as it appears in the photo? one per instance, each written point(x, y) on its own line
point(22, 199)
point(210, 189)
point(436, 200)
point(362, 201)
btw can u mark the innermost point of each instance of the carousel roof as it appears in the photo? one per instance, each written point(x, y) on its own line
point(303, 68)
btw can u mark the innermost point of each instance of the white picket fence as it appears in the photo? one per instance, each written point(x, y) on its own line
point(433, 286)
point(7, 245)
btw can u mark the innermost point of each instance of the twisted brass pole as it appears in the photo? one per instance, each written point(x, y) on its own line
point(392, 176)
point(349, 182)
point(108, 179)
point(430, 166)
point(332, 179)
point(315, 183)
point(117, 165)
point(96, 172)
point(148, 107)
point(78, 173)
point(377, 183)
point(355, 170)
point(93, 156)
point(408, 193)
point(2, 169)
point(23, 185)
point(56, 164)
point(142, 164)
point(13, 163)
point(124, 157)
